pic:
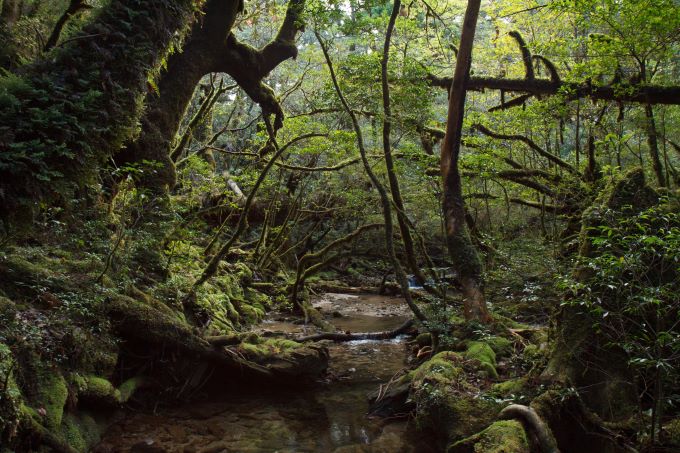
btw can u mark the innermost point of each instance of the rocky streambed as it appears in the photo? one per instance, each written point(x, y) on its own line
point(324, 417)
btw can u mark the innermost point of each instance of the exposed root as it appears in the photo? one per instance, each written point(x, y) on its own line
point(531, 419)
point(340, 337)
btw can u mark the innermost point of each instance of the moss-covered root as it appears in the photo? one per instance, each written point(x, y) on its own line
point(506, 436)
point(529, 416)
point(97, 391)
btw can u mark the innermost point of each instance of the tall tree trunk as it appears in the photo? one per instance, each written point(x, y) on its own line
point(73, 111)
point(653, 143)
point(165, 107)
point(73, 7)
point(395, 190)
point(463, 254)
point(402, 279)
point(581, 356)
point(10, 12)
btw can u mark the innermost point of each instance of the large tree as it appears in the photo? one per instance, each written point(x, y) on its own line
point(64, 115)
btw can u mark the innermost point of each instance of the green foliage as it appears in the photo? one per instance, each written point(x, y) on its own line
point(10, 397)
point(631, 290)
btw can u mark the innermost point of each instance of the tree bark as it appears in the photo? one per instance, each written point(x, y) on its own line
point(463, 254)
point(73, 7)
point(75, 109)
point(579, 359)
point(652, 94)
point(210, 48)
point(653, 143)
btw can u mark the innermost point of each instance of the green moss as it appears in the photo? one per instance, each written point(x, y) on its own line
point(484, 356)
point(260, 348)
point(671, 432)
point(510, 387)
point(500, 345)
point(443, 368)
point(424, 339)
point(52, 393)
point(96, 390)
point(20, 277)
point(505, 436)
point(57, 115)
point(257, 299)
point(80, 431)
point(129, 387)
point(468, 414)
point(10, 396)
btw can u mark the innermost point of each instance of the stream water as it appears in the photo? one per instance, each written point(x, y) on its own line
point(328, 418)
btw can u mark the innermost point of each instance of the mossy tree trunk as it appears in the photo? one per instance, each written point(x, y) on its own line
point(211, 48)
point(395, 189)
point(63, 116)
point(463, 254)
point(580, 356)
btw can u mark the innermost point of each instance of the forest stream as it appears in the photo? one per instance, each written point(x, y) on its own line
point(329, 417)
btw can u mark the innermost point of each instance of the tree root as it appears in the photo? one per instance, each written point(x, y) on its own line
point(136, 322)
point(45, 437)
point(341, 337)
point(531, 419)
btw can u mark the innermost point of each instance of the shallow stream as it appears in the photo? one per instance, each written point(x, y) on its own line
point(321, 418)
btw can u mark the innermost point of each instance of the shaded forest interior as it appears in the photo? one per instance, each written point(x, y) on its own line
point(228, 200)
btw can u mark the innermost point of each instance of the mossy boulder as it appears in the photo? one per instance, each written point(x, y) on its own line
point(507, 436)
point(510, 387)
point(445, 401)
point(443, 368)
point(483, 356)
point(500, 345)
point(424, 339)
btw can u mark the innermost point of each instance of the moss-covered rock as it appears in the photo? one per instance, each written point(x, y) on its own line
point(445, 401)
point(481, 354)
point(442, 369)
point(500, 345)
point(507, 436)
point(509, 387)
point(424, 339)
point(50, 398)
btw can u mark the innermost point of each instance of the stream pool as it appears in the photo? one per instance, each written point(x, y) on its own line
point(328, 418)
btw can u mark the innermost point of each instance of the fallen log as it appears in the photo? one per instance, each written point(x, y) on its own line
point(342, 337)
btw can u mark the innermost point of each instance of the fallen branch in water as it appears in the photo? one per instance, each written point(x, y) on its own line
point(340, 337)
